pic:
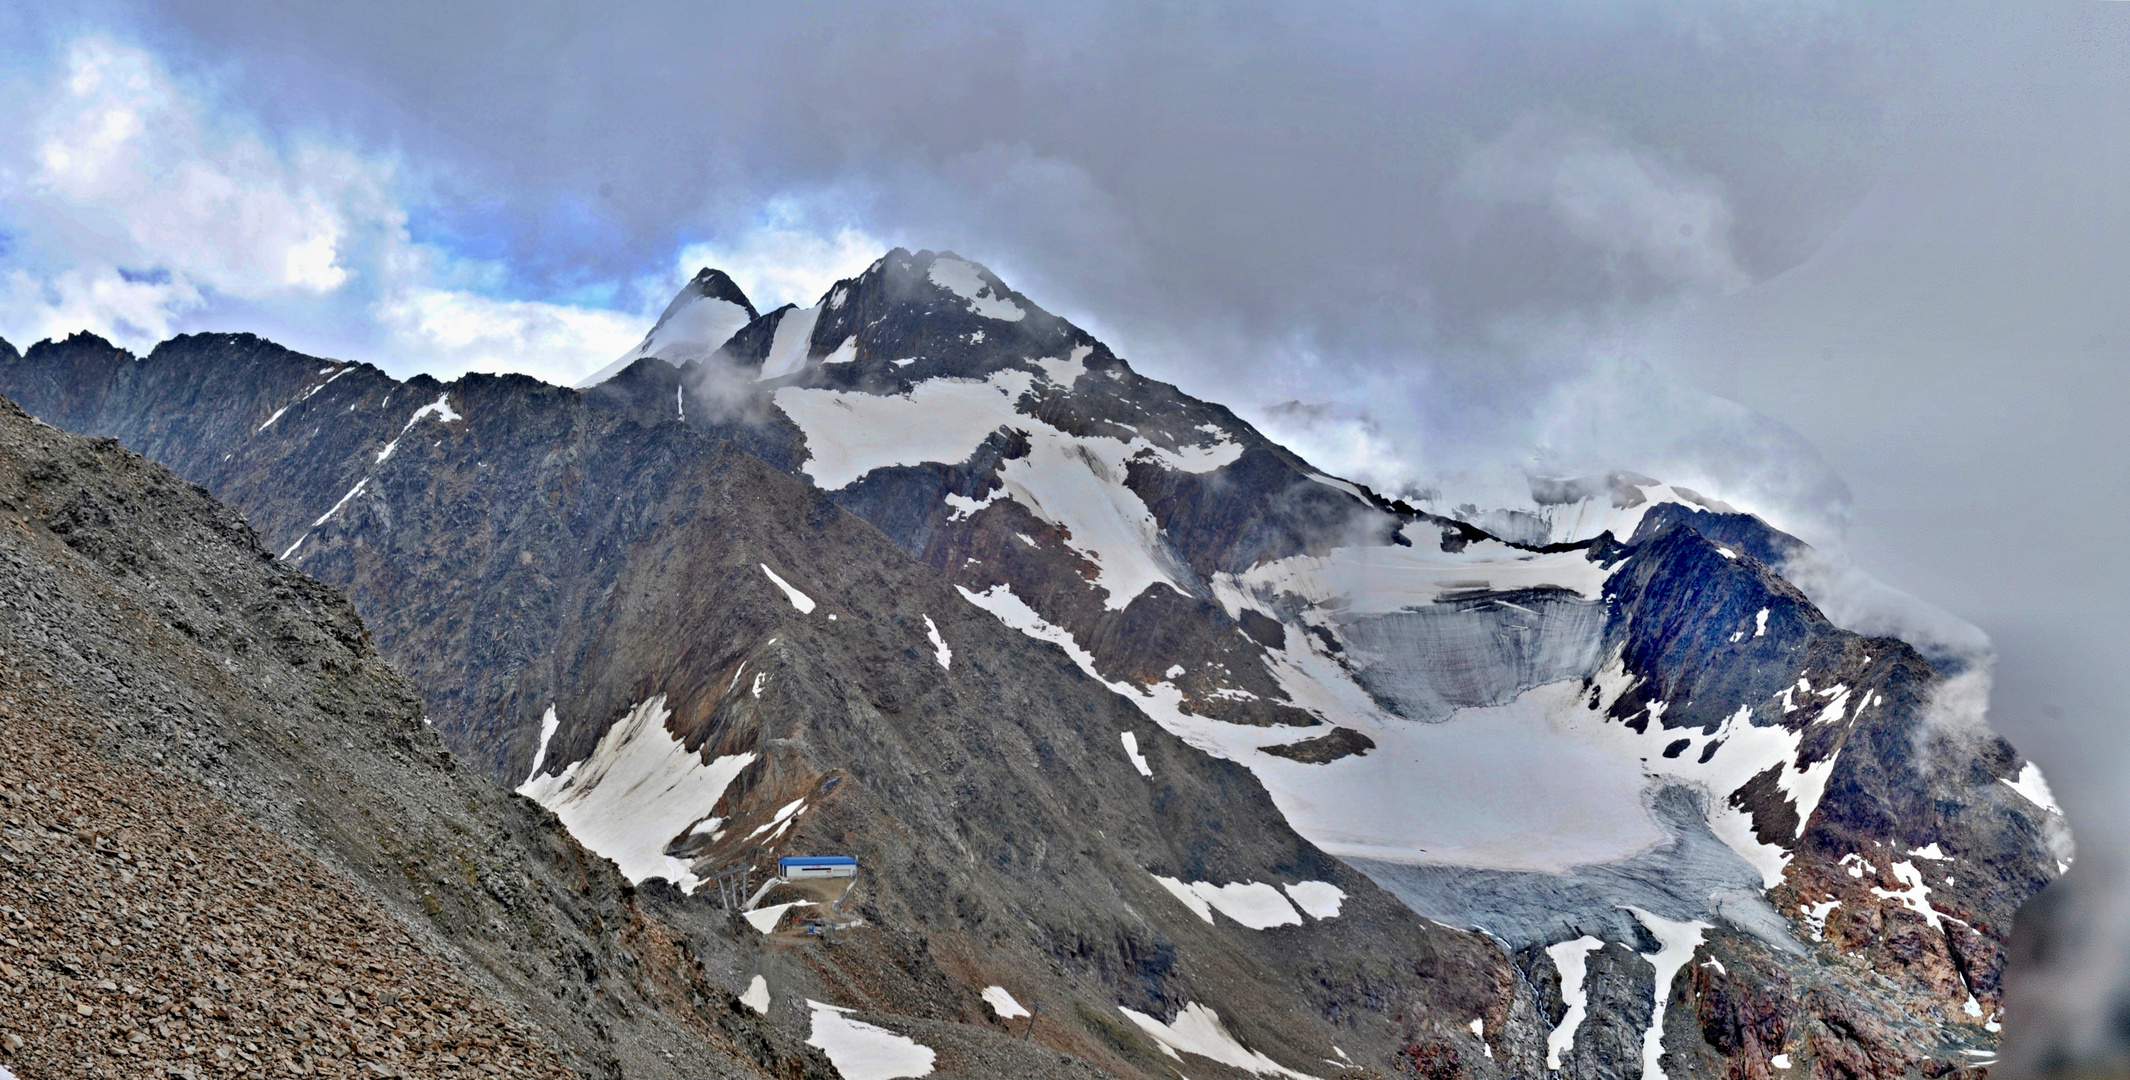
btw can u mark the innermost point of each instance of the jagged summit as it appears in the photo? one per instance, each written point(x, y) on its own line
point(706, 312)
point(906, 318)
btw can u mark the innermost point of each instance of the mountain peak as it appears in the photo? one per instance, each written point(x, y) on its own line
point(715, 284)
point(704, 315)
point(907, 318)
point(79, 340)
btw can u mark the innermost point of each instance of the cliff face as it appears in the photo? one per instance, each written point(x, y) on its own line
point(1129, 711)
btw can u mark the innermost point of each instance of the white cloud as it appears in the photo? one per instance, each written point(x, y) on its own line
point(451, 330)
point(782, 259)
point(1345, 441)
point(139, 205)
point(146, 178)
point(94, 298)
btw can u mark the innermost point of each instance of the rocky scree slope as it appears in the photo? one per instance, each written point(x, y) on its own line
point(603, 612)
point(233, 843)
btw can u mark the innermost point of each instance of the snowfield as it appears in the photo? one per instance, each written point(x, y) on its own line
point(861, 1051)
point(1198, 1030)
point(638, 791)
point(1542, 783)
point(1073, 481)
point(963, 280)
point(694, 332)
point(1253, 904)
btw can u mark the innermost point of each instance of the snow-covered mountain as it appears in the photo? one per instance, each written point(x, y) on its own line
point(1521, 720)
point(1700, 829)
point(702, 317)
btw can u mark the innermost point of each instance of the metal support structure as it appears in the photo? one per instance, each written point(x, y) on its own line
point(732, 885)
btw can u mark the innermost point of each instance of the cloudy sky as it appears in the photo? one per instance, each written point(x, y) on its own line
point(1859, 267)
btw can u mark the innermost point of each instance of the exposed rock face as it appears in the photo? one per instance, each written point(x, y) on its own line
point(1524, 722)
point(232, 838)
point(1608, 1045)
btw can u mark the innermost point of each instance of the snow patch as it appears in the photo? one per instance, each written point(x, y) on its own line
point(1571, 959)
point(1187, 896)
point(1253, 904)
point(799, 600)
point(693, 331)
point(757, 996)
point(1321, 899)
point(1915, 896)
point(849, 434)
point(782, 815)
point(1198, 1030)
point(548, 724)
point(1064, 373)
point(940, 652)
point(765, 919)
point(1131, 750)
point(352, 492)
point(961, 279)
point(270, 420)
point(1678, 940)
point(440, 408)
point(639, 790)
point(789, 346)
point(1002, 1004)
point(1816, 917)
point(1760, 623)
point(861, 1051)
point(1342, 485)
point(1072, 481)
point(2033, 788)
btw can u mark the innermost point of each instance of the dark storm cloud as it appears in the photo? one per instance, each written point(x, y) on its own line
point(1293, 190)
